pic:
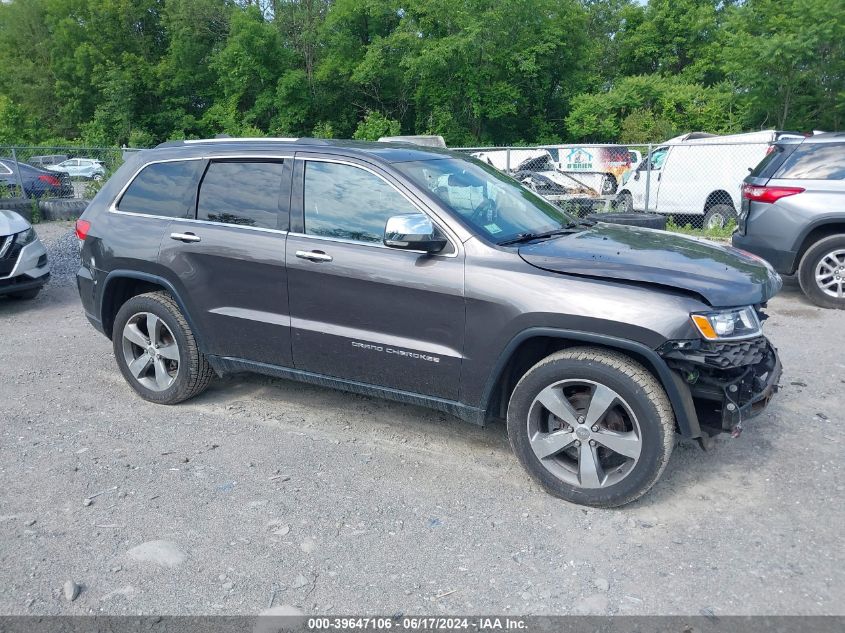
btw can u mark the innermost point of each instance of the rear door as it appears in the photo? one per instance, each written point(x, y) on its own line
point(362, 311)
point(228, 261)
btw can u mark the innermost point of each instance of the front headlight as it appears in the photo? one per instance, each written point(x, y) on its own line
point(726, 325)
point(25, 237)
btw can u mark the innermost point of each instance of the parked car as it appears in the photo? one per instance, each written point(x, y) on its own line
point(602, 168)
point(89, 168)
point(793, 214)
point(697, 175)
point(24, 268)
point(535, 168)
point(36, 183)
point(43, 161)
point(347, 265)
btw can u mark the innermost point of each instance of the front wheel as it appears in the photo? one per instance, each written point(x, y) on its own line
point(822, 272)
point(156, 350)
point(592, 426)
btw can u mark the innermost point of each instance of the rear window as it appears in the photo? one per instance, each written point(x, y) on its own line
point(814, 161)
point(164, 189)
point(771, 161)
point(244, 193)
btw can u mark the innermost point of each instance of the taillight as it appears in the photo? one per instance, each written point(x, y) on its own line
point(82, 228)
point(768, 194)
point(50, 180)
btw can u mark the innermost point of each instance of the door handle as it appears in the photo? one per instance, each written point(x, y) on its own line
point(314, 256)
point(185, 237)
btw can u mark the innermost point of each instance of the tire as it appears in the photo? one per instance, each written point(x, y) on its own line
point(608, 185)
point(21, 206)
point(26, 295)
point(624, 202)
point(719, 216)
point(825, 257)
point(640, 414)
point(62, 209)
point(184, 372)
point(647, 220)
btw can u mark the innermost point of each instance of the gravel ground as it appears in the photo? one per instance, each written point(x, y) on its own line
point(264, 492)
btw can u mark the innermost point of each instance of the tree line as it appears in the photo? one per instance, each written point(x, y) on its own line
point(477, 72)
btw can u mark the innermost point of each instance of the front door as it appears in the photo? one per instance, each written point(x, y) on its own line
point(645, 183)
point(361, 311)
point(230, 259)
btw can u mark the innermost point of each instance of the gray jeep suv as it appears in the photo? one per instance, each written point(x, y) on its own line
point(793, 214)
point(426, 277)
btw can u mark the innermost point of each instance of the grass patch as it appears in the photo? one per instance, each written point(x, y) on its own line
point(723, 233)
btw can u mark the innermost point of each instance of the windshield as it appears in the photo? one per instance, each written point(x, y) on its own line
point(495, 205)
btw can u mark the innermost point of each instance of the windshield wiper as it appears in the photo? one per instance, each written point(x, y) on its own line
point(570, 227)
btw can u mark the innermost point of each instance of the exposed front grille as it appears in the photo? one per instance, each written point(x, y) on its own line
point(9, 252)
point(735, 354)
point(729, 355)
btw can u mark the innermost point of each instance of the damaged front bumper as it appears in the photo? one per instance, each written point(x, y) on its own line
point(729, 382)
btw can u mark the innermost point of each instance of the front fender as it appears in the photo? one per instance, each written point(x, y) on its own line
point(677, 391)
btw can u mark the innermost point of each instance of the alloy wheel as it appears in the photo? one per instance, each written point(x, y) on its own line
point(584, 433)
point(150, 351)
point(715, 221)
point(830, 274)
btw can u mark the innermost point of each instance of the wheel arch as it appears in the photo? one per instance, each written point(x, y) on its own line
point(719, 196)
point(121, 285)
point(532, 345)
point(816, 231)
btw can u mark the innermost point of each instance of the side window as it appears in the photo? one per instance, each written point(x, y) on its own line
point(815, 161)
point(347, 202)
point(5, 169)
point(245, 193)
point(165, 189)
point(658, 157)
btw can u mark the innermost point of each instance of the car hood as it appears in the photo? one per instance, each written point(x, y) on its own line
point(722, 275)
point(11, 222)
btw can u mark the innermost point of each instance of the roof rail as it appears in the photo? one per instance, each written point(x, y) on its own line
point(235, 139)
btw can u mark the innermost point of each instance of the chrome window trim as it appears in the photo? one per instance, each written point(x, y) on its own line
point(8, 169)
point(436, 220)
point(113, 206)
point(205, 222)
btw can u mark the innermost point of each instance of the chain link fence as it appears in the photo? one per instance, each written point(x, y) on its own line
point(691, 184)
point(56, 172)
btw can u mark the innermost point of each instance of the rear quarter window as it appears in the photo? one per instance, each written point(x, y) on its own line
point(163, 189)
point(814, 161)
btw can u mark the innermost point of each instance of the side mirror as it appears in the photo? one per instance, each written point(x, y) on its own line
point(413, 232)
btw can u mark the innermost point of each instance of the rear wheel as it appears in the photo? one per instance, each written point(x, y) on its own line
point(719, 216)
point(591, 426)
point(624, 202)
point(156, 350)
point(608, 185)
point(822, 272)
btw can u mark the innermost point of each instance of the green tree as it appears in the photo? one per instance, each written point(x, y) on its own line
point(637, 107)
point(788, 61)
point(374, 126)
